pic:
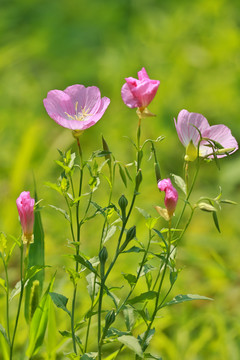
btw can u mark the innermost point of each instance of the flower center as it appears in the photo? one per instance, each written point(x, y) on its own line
point(79, 115)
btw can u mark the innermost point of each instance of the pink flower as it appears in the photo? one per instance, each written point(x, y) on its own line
point(171, 195)
point(25, 206)
point(139, 92)
point(76, 108)
point(187, 124)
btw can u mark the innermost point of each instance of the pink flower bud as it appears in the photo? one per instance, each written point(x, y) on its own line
point(25, 206)
point(139, 92)
point(171, 195)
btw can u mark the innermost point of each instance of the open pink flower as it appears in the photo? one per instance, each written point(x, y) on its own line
point(139, 92)
point(76, 108)
point(25, 206)
point(187, 124)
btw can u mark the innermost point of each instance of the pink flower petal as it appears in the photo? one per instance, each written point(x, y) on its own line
point(139, 92)
point(222, 134)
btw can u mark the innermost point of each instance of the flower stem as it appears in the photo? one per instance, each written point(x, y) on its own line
point(77, 247)
point(19, 302)
point(156, 308)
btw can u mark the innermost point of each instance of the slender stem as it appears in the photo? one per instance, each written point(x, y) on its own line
point(77, 247)
point(117, 252)
point(138, 274)
point(189, 193)
point(19, 302)
point(156, 308)
point(7, 297)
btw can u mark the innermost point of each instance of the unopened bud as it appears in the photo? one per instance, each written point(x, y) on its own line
point(103, 255)
point(157, 171)
point(110, 318)
point(122, 202)
point(138, 179)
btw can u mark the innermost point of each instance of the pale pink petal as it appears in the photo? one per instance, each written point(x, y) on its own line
point(58, 103)
point(185, 129)
point(222, 134)
point(77, 93)
point(128, 97)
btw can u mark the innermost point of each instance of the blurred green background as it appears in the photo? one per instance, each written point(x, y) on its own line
point(193, 48)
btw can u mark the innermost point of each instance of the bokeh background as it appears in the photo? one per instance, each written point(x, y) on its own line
point(193, 48)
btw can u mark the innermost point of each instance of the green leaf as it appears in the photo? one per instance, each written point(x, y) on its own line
point(129, 317)
point(132, 343)
point(215, 219)
point(36, 261)
point(148, 339)
point(151, 222)
point(143, 212)
point(3, 332)
point(89, 356)
point(54, 187)
point(3, 284)
point(92, 286)
point(113, 333)
point(63, 212)
point(180, 183)
point(131, 279)
point(149, 295)
point(230, 202)
point(122, 174)
point(109, 233)
point(39, 323)
point(60, 301)
point(85, 263)
point(134, 249)
point(149, 356)
point(182, 298)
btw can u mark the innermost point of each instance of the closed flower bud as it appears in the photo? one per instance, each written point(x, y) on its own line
point(171, 195)
point(109, 319)
point(25, 206)
point(122, 202)
point(138, 179)
point(103, 255)
point(131, 233)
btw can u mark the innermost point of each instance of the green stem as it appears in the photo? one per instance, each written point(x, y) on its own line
point(77, 248)
point(160, 285)
point(103, 281)
point(7, 297)
point(19, 303)
point(188, 193)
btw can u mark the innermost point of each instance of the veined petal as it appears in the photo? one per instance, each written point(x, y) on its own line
point(142, 74)
point(186, 125)
point(128, 97)
point(222, 134)
point(58, 103)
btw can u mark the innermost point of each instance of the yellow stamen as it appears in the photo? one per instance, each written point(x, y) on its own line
point(79, 116)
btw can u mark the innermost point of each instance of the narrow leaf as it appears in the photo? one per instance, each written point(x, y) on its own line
point(36, 261)
point(149, 295)
point(60, 301)
point(180, 183)
point(132, 343)
point(3, 332)
point(182, 298)
point(85, 263)
point(39, 323)
point(215, 219)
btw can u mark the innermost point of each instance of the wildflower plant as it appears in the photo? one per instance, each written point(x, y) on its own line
point(128, 324)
